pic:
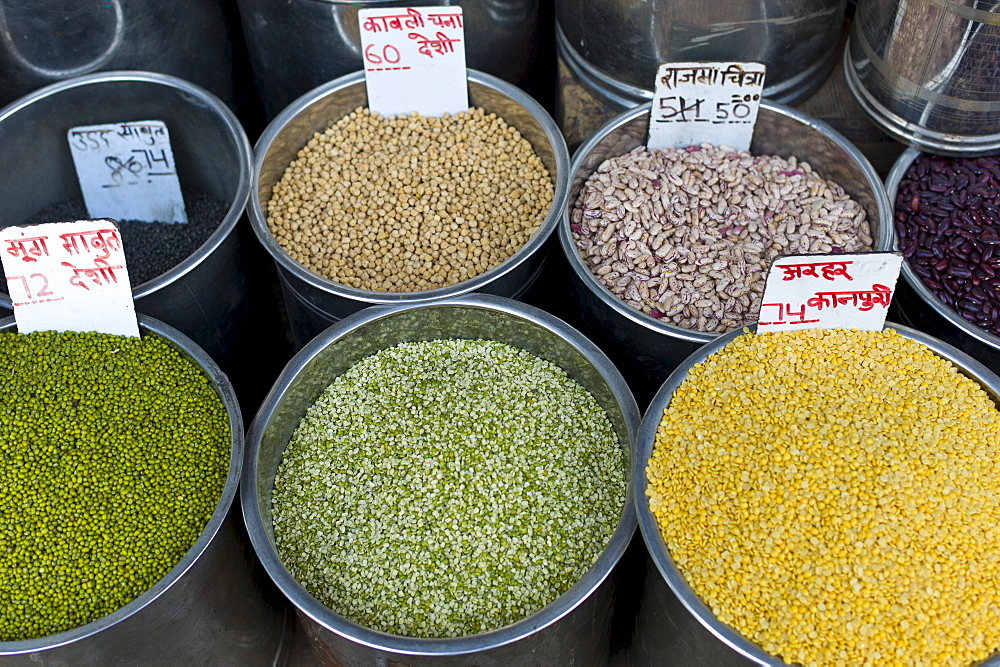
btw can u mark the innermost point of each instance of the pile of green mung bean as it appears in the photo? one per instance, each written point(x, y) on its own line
point(113, 455)
point(447, 488)
point(834, 496)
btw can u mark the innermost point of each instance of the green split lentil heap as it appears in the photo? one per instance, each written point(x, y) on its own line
point(410, 203)
point(447, 488)
point(835, 497)
point(113, 455)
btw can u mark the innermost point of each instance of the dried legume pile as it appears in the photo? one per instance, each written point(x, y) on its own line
point(447, 488)
point(410, 203)
point(151, 248)
point(835, 497)
point(687, 235)
point(113, 455)
point(948, 222)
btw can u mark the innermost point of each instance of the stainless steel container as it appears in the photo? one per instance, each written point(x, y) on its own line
point(919, 305)
point(205, 296)
point(615, 46)
point(211, 608)
point(645, 349)
point(718, 643)
point(314, 302)
point(925, 71)
point(571, 630)
point(296, 45)
point(45, 42)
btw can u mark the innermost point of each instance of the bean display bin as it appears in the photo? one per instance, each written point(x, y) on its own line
point(242, 299)
point(575, 627)
point(212, 607)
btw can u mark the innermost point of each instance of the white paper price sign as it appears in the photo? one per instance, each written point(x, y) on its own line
point(847, 291)
point(68, 276)
point(414, 60)
point(699, 102)
point(127, 171)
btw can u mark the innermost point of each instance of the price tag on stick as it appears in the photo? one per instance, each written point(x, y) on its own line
point(414, 60)
point(698, 102)
point(68, 276)
point(127, 171)
point(846, 291)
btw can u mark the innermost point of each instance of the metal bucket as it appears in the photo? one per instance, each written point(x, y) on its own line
point(213, 607)
point(297, 45)
point(615, 46)
point(716, 643)
point(41, 43)
point(314, 302)
point(645, 349)
point(922, 309)
point(574, 629)
point(925, 71)
point(206, 295)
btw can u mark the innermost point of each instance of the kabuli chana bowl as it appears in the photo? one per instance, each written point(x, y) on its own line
point(443, 479)
point(826, 497)
point(408, 207)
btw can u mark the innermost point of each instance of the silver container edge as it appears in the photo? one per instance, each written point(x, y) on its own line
point(208, 607)
point(315, 302)
point(205, 295)
point(646, 349)
point(920, 305)
point(572, 629)
point(658, 551)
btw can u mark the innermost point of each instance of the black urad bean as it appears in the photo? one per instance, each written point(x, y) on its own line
point(152, 248)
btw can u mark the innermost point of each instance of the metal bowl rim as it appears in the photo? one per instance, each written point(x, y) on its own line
point(658, 551)
point(927, 297)
point(560, 182)
point(233, 128)
point(220, 382)
point(619, 307)
point(356, 633)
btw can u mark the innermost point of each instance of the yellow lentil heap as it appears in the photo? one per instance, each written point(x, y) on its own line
point(410, 203)
point(835, 497)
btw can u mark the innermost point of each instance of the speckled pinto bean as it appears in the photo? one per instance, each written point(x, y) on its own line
point(687, 235)
point(410, 203)
point(948, 222)
point(447, 488)
point(835, 497)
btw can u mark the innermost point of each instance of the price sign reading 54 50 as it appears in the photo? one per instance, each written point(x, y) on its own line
point(705, 102)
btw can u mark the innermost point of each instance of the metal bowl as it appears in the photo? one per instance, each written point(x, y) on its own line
point(918, 304)
point(647, 521)
point(315, 302)
point(576, 623)
point(204, 295)
point(925, 72)
point(644, 348)
point(212, 586)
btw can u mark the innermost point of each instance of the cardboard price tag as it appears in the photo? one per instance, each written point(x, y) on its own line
point(127, 171)
point(705, 102)
point(68, 276)
point(847, 291)
point(414, 60)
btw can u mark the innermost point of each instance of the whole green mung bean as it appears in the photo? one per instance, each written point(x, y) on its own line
point(113, 455)
point(447, 488)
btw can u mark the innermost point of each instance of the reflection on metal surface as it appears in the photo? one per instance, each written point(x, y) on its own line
point(296, 45)
point(71, 17)
point(926, 72)
point(45, 42)
point(615, 46)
